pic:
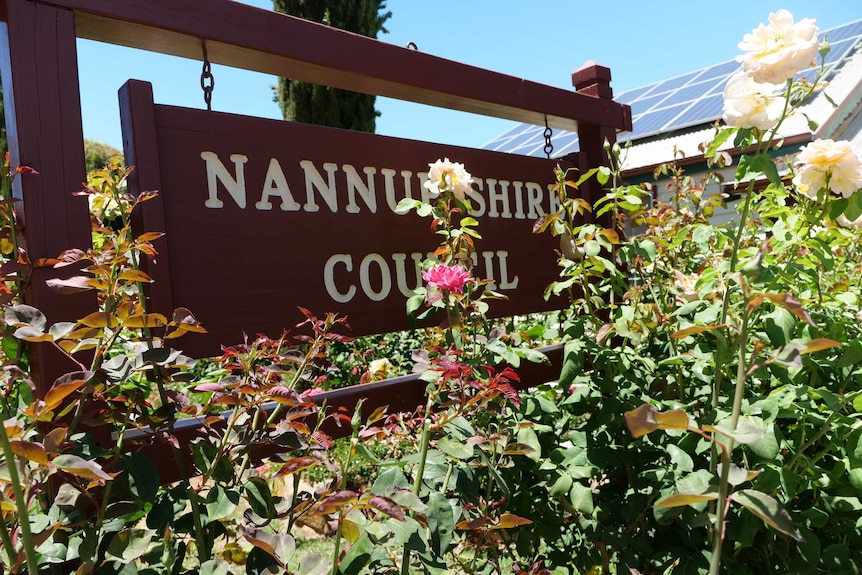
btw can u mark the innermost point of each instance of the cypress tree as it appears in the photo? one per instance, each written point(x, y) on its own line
point(322, 105)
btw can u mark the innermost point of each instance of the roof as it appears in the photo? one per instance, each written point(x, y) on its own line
point(680, 111)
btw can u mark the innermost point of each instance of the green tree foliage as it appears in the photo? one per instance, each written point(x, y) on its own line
point(322, 105)
point(97, 154)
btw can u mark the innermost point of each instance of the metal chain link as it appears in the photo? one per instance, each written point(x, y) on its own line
point(207, 80)
point(549, 147)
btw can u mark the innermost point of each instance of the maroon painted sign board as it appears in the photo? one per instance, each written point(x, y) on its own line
point(262, 216)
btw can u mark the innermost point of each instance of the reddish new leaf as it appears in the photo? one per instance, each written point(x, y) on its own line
point(30, 451)
point(64, 386)
point(387, 506)
point(100, 319)
point(694, 330)
point(769, 510)
point(297, 464)
point(135, 276)
point(509, 520)
point(471, 524)
point(79, 467)
point(336, 502)
point(283, 395)
point(32, 334)
point(819, 344)
point(261, 539)
point(791, 304)
point(149, 236)
point(147, 320)
point(646, 419)
point(54, 439)
point(322, 439)
point(690, 497)
point(72, 285)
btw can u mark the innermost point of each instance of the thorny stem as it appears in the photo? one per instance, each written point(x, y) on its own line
point(246, 457)
point(420, 469)
point(723, 484)
point(221, 447)
point(7, 542)
point(118, 445)
point(20, 503)
point(725, 308)
point(293, 497)
point(823, 429)
point(336, 551)
point(296, 377)
point(94, 366)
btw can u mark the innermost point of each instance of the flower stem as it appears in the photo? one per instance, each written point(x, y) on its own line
point(336, 551)
point(723, 484)
point(20, 503)
point(424, 441)
point(725, 308)
point(7, 542)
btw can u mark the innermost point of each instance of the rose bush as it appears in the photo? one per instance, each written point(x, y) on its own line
point(730, 355)
point(706, 418)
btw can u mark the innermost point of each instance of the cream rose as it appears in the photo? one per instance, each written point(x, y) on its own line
point(826, 164)
point(845, 222)
point(448, 176)
point(776, 52)
point(687, 285)
point(750, 104)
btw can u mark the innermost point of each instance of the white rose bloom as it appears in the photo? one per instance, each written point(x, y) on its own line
point(830, 165)
point(687, 285)
point(448, 176)
point(843, 221)
point(775, 53)
point(750, 104)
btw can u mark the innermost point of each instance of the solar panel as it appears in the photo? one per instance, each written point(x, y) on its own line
point(703, 111)
point(675, 103)
point(656, 120)
point(641, 106)
point(674, 83)
point(633, 94)
point(851, 30)
point(565, 144)
point(695, 91)
point(720, 70)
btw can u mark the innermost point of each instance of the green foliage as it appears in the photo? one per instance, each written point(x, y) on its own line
point(706, 418)
point(413, 483)
point(98, 155)
point(322, 105)
point(713, 377)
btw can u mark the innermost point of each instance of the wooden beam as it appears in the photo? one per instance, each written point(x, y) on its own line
point(400, 394)
point(594, 79)
point(43, 121)
point(264, 41)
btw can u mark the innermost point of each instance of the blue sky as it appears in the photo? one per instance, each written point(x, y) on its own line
point(540, 40)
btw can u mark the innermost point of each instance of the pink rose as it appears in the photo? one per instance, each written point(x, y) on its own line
point(449, 278)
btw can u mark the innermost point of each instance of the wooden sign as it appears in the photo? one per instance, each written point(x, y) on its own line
point(262, 216)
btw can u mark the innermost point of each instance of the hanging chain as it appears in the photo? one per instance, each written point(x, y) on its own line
point(207, 79)
point(549, 147)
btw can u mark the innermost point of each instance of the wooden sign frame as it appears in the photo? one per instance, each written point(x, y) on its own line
point(270, 215)
point(38, 63)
